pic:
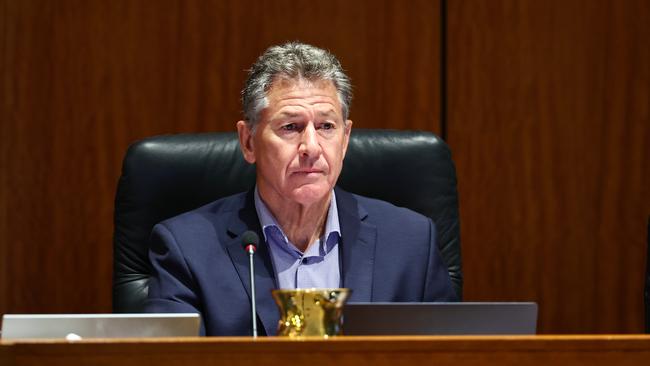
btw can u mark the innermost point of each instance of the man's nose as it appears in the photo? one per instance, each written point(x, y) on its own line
point(309, 144)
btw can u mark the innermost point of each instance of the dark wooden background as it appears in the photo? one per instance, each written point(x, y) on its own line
point(545, 106)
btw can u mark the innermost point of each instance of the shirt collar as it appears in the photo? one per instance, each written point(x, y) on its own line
point(332, 226)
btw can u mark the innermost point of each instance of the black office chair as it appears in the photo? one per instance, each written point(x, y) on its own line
point(163, 176)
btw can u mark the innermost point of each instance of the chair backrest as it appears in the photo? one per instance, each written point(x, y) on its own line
point(166, 175)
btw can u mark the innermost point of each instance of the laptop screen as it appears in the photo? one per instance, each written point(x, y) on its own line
point(16, 326)
point(459, 318)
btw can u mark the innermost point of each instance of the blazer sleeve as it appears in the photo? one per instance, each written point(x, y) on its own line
point(438, 286)
point(172, 288)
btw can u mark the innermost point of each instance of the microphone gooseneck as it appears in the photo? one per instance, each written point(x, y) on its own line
point(250, 240)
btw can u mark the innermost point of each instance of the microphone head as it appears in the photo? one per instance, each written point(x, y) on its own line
point(250, 240)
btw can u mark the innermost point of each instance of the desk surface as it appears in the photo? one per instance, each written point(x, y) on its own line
point(341, 351)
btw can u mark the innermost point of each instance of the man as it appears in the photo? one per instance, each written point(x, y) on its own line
point(296, 130)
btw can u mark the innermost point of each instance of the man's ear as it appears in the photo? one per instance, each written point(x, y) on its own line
point(346, 136)
point(246, 141)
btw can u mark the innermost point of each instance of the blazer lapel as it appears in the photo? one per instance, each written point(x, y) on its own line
point(247, 219)
point(358, 240)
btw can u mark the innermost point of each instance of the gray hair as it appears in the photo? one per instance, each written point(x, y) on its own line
point(293, 61)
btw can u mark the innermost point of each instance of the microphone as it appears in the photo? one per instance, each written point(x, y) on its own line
point(250, 240)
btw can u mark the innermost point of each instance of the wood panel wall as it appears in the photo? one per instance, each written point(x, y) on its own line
point(546, 113)
point(81, 80)
point(548, 119)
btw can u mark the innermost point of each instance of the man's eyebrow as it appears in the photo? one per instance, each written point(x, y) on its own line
point(287, 114)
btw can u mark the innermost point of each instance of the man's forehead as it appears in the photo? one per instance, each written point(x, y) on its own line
point(323, 111)
point(322, 94)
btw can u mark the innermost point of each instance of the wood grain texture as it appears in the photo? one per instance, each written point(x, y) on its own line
point(548, 118)
point(81, 80)
point(344, 351)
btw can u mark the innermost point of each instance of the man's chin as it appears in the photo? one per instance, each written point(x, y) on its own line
point(311, 193)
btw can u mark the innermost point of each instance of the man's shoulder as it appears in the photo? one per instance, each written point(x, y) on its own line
point(380, 210)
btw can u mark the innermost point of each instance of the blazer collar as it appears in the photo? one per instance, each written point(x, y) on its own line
point(246, 219)
point(357, 247)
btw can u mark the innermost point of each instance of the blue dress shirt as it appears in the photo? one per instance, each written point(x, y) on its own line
point(318, 266)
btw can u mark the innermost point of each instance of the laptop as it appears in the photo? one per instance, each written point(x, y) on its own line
point(457, 318)
point(79, 326)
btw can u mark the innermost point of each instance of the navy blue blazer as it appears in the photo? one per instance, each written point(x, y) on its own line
point(387, 253)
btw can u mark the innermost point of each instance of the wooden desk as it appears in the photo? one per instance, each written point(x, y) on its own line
point(343, 351)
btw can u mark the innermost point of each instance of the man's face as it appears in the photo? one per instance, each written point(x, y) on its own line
point(299, 143)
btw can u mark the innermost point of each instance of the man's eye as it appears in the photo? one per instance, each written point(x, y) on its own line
point(327, 126)
point(290, 127)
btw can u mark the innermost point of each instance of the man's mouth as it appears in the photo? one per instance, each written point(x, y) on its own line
point(308, 171)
